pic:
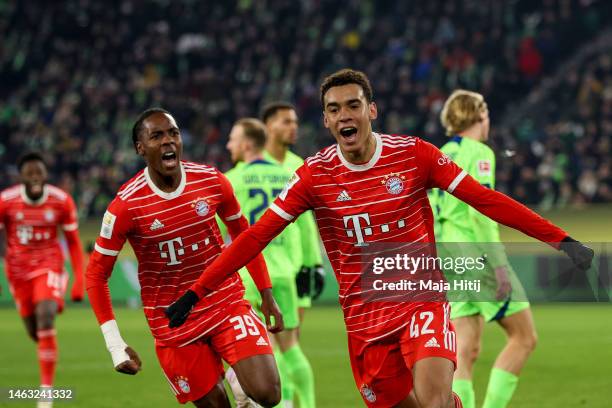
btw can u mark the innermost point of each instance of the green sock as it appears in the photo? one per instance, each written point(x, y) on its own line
point(285, 378)
point(465, 390)
point(300, 371)
point(501, 387)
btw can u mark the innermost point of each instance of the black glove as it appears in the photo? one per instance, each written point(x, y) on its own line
point(580, 254)
point(318, 273)
point(178, 311)
point(302, 282)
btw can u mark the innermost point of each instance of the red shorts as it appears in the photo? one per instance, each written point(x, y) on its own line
point(383, 368)
point(46, 286)
point(194, 369)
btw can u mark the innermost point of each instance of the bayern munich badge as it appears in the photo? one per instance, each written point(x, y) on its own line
point(394, 183)
point(201, 206)
point(183, 384)
point(368, 393)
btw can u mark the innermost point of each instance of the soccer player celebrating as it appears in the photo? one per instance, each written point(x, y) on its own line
point(466, 119)
point(282, 126)
point(167, 212)
point(31, 213)
point(256, 183)
point(370, 188)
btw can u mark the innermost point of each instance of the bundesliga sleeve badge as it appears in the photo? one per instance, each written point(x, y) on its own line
point(108, 222)
point(484, 168)
point(292, 181)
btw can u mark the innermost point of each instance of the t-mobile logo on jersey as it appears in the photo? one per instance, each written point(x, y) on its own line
point(359, 227)
point(356, 230)
point(168, 249)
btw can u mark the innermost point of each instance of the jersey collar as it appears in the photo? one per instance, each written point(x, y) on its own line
point(457, 139)
point(28, 200)
point(163, 194)
point(259, 161)
point(365, 166)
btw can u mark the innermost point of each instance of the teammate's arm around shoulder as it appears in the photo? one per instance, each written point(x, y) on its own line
point(116, 224)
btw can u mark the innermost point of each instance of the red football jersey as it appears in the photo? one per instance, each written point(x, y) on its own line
point(384, 200)
point(174, 236)
point(360, 208)
point(31, 228)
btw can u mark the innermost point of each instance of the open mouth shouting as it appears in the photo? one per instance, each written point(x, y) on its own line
point(35, 188)
point(169, 160)
point(349, 134)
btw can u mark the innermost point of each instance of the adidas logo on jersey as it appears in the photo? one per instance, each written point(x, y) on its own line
point(432, 343)
point(156, 225)
point(261, 341)
point(343, 196)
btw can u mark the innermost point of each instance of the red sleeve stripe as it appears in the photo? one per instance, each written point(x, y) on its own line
point(281, 213)
point(105, 251)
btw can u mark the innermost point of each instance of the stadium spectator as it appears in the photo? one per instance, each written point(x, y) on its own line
point(76, 73)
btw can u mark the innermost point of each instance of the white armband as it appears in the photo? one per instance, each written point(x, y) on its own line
point(114, 343)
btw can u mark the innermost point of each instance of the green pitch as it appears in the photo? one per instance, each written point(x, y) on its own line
point(570, 367)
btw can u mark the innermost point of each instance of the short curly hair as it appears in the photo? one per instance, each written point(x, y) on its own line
point(345, 77)
point(137, 128)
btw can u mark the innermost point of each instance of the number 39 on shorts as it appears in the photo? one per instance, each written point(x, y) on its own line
point(244, 325)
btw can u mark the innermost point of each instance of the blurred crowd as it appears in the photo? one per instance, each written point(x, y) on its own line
point(76, 73)
point(563, 155)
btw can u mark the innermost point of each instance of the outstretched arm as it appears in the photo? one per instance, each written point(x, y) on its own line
point(291, 202)
point(441, 172)
point(503, 209)
point(257, 266)
point(507, 211)
point(244, 248)
point(230, 213)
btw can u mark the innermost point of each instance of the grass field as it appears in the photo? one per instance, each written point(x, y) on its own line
point(570, 368)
